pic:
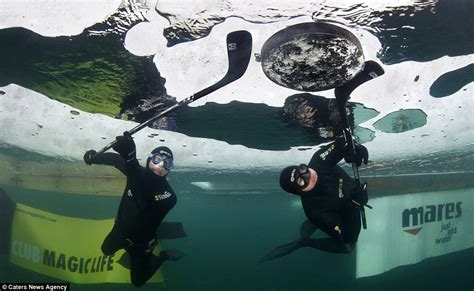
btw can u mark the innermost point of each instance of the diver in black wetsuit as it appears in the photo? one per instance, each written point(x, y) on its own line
point(146, 200)
point(327, 193)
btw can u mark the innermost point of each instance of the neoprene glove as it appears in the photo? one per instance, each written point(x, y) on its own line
point(125, 146)
point(360, 195)
point(361, 154)
point(88, 157)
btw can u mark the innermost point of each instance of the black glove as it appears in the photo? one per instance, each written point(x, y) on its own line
point(125, 146)
point(359, 195)
point(88, 156)
point(361, 154)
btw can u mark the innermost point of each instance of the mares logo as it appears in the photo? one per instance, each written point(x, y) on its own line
point(414, 218)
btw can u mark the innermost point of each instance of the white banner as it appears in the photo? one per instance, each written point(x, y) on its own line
point(406, 229)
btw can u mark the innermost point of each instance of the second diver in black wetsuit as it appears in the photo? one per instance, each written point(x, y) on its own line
point(146, 200)
point(327, 193)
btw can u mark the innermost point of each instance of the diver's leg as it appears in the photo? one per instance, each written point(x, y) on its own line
point(139, 267)
point(144, 264)
point(330, 245)
point(113, 242)
point(351, 225)
point(306, 230)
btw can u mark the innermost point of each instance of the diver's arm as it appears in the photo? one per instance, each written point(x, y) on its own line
point(330, 154)
point(133, 170)
point(125, 147)
point(109, 159)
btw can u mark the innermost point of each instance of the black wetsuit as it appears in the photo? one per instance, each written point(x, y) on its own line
point(329, 205)
point(146, 200)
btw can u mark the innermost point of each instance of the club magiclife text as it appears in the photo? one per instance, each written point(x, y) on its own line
point(62, 261)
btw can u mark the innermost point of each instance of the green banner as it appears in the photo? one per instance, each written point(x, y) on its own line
point(66, 248)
